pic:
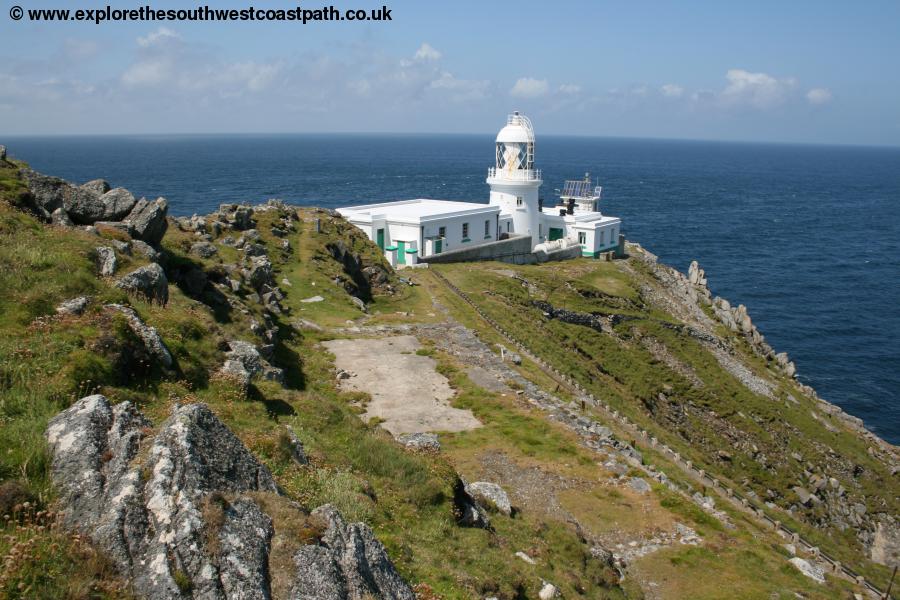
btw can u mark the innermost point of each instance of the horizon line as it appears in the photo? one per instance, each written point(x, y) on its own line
point(465, 133)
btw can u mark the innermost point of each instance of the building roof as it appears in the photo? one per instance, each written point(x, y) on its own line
point(415, 211)
point(581, 219)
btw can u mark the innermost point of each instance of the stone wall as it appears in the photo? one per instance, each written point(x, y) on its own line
point(515, 249)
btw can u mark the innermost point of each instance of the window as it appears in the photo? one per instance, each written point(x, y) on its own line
point(508, 224)
point(465, 232)
point(602, 235)
point(582, 238)
point(442, 232)
point(487, 229)
point(540, 230)
point(519, 201)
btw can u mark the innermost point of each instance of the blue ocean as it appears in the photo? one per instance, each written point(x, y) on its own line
point(808, 237)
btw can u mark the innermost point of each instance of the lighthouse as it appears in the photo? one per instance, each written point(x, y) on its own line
point(513, 180)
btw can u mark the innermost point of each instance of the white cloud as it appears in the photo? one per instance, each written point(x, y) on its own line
point(158, 37)
point(527, 87)
point(461, 90)
point(758, 90)
point(818, 96)
point(672, 90)
point(428, 53)
point(569, 88)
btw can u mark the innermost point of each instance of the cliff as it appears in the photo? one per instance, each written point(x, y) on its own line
point(253, 404)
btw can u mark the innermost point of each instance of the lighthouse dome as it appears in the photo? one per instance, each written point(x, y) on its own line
point(515, 144)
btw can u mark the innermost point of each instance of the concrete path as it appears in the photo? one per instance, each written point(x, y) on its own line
point(407, 392)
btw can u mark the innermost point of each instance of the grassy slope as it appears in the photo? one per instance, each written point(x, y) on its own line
point(628, 377)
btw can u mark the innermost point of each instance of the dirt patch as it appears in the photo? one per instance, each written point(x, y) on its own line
point(407, 393)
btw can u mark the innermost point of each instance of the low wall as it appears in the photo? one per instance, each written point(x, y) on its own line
point(515, 249)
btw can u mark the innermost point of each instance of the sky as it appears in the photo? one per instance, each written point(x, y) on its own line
point(805, 72)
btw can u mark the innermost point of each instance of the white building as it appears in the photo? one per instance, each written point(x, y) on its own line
point(411, 229)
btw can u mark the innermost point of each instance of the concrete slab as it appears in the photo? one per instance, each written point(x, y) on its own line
point(407, 392)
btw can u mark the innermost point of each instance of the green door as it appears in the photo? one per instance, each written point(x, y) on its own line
point(401, 253)
point(555, 233)
point(438, 246)
point(380, 238)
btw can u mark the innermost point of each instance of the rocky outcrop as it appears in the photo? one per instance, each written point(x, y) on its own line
point(147, 334)
point(243, 362)
point(469, 513)
point(106, 261)
point(490, 494)
point(75, 306)
point(348, 563)
point(148, 281)
point(147, 220)
point(181, 519)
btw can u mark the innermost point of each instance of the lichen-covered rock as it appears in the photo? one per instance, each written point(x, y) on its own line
point(75, 306)
point(61, 218)
point(181, 519)
point(145, 250)
point(420, 441)
point(203, 249)
point(148, 220)
point(106, 261)
point(468, 512)
point(243, 361)
point(259, 272)
point(96, 186)
point(148, 335)
point(492, 494)
point(349, 563)
point(149, 281)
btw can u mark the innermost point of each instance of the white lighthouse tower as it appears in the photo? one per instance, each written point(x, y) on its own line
point(513, 180)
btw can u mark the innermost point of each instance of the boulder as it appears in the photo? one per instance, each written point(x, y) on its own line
point(243, 361)
point(490, 494)
point(548, 591)
point(85, 206)
point(148, 220)
point(467, 510)
point(148, 335)
point(112, 228)
point(259, 272)
point(145, 250)
point(298, 453)
point(182, 519)
point(51, 193)
point(61, 218)
point(148, 281)
point(812, 571)
point(106, 261)
point(75, 306)
point(348, 563)
point(639, 485)
point(237, 216)
point(203, 249)
point(96, 186)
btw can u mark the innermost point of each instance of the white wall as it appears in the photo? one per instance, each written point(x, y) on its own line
point(454, 228)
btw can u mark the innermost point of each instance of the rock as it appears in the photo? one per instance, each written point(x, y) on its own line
point(420, 441)
point(85, 206)
point(259, 272)
point(810, 570)
point(237, 216)
point(348, 563)
point(148, 335)
point(724, 455)
point(61, 218)
point(298, 454)
point(145, 249)
point(306, 325)
point(148, 220)
point(148, 519)
point(525, 557)
point(113, 228)
point(254, 249)
point(106, 261)
point(96, 186)
point(548, 591)
point(243, 361)
point(359, 304)
point(203, 249)
point(509, 355)
point(312, 299)
point(491, 494)
point(639, 485)
point(805, 497)
point(468, 512)
point(51, 193)
point(149, 281)
point(75, 306)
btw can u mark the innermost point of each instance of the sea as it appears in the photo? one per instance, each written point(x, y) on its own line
point(806, 236)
